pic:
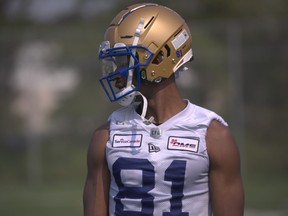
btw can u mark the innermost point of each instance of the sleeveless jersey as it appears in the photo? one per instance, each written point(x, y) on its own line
point(159, 170)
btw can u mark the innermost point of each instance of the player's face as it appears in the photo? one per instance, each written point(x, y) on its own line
point(121, 68)
point(119, 64)
point(119, 81)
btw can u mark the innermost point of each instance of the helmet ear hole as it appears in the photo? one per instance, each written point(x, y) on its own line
point(167, 49)
point(158, 58)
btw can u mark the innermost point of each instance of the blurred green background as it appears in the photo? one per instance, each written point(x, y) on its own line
point(51, 100)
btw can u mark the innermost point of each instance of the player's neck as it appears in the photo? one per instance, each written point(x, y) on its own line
point(164, 103)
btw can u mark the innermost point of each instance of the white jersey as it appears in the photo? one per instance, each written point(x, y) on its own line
point(159, 170)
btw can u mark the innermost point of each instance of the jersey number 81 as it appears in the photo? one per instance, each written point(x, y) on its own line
point(175, 173)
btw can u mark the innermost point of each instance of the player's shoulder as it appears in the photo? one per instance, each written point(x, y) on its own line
point(218, 130)
point(121, 115)
point(221, 146)
point(121, 111)
point(101, 131)
point(206, 116)
point(96, 150)
point(100, 136)
point(219, 137)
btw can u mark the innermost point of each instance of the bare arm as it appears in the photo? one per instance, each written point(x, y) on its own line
point(96, 190)
point(225, 176)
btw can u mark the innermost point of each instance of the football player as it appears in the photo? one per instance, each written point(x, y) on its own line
point(160, 154)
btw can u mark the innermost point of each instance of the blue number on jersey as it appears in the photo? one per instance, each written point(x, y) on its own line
point(148, 184)
point(175, 173)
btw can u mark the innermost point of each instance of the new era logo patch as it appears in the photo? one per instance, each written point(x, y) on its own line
point(183, 143)
point(153, 148)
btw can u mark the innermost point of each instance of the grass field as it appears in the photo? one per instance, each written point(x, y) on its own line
point(268, 192)
point(41, 201)
point(58, 192)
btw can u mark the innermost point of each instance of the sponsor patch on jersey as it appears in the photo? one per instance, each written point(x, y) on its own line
point(127, 140)
point(183, 143)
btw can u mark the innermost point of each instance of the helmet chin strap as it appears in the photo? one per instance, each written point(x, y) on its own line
point(128, 99)
point(144, 105)
point(144, 109)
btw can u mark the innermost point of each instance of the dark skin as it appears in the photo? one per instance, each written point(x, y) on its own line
point(225, 182)
point(96, 188)
point(165, 101)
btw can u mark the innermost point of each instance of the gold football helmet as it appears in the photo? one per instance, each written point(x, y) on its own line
point(145, 43)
